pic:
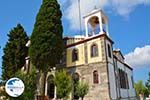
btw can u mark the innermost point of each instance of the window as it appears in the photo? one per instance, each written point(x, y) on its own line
point(127, 82)
point(74, 55)
point(51, 87)
point(109, 50)
point(75, 77)
point(132, 81)
point(95, 77)
point(123, 79)
point(75, 82)
point(94, 50)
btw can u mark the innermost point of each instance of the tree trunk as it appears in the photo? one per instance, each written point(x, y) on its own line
point(82, 98)
point(42, 82)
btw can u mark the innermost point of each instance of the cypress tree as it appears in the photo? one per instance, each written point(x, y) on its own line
point(15, 52)
point(46, 39)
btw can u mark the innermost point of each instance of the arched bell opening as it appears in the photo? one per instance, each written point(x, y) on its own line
point(93, 26)
point(104, 24)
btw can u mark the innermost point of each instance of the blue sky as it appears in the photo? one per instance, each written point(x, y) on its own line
point(129, 25)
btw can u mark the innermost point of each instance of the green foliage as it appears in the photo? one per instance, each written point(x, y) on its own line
point(147, 84)
point(30, 85)
point(140, 87)
point(46, 39)
point(81, 89)
point(143, 89)
point(63, 83)
point(15, 52)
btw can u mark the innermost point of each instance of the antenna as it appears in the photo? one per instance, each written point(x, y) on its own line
point(80, 17)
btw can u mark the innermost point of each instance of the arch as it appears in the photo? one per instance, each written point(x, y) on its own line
point(94, 50)
point(109, 50)
point(75, 77)
point(75, 54)
point(104, 20)
point(51, 87)
point(93, 25)
point(95, 77)
point(104, 24)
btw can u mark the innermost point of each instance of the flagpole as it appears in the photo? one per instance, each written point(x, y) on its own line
point(80, 17)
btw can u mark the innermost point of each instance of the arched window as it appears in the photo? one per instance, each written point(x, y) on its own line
point(75, 82)
point(50, 87)
point(95, 77)
point(74, 55)
point(109, 50)
point(124, 83)
point(75, 77)
point(94, 50)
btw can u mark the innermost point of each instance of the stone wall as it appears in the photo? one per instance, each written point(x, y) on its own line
point(98, 91)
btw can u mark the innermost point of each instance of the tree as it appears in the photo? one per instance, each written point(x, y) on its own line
point(81, 89)
point(140, 88)
point(30, 85)
point(15, 52)
point(63, 82)
point(147, 84)
point(46, 39)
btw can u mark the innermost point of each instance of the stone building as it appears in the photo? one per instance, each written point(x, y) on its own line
point(92, 59)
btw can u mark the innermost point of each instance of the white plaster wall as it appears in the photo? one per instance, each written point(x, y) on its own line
point(131, 88)
point(112, 82)
point(123, 92)
point(120, 65)
point(131, 91)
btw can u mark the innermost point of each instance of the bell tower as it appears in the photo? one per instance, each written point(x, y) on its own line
point(96, 23)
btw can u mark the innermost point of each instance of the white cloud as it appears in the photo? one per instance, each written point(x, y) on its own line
point(140, 57)
point(125, 7)
point(121, 7)
point(63, 2)
point(72, 12)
